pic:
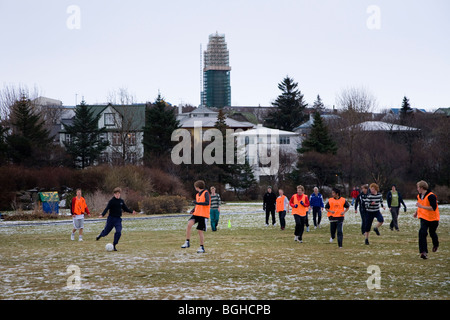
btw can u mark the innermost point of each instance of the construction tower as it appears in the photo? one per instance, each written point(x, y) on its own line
point(216, 73)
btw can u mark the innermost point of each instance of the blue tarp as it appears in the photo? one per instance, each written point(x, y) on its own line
point(50, 201)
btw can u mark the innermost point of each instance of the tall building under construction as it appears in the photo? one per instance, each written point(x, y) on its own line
point(216, 73)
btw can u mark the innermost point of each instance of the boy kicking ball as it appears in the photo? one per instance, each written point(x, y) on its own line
point(200, 214)
point(114, 220)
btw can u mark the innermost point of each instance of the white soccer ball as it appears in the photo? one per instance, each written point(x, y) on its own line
point(109, 247)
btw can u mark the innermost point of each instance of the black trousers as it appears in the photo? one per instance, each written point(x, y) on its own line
point(300, 223)
point(336, 224)
point(270, 211)
point(363, 215)
point(282, 216)
point(113, 222)
point(426, 226)
point(317, 213)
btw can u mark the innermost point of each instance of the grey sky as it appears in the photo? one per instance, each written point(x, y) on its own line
point(146, 46)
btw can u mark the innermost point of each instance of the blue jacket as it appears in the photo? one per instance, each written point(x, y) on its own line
point(316, 201)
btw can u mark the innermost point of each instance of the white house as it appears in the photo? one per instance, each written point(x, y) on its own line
point(124, 126)
point(269, 151)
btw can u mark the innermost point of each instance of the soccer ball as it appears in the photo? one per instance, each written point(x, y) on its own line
point(109, 247)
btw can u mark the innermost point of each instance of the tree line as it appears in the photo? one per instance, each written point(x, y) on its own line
point(336, 152)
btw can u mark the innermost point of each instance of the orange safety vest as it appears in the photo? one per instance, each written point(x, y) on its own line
point(337, 206)
point(80, 206)
point(300, 210)
point(425, 214)
point(202, 210)
point(280, 203)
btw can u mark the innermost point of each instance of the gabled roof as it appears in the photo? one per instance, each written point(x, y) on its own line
point(384, 126)
point(445, 111)
point(264, 131)
point(209, 122)
point(396, 111)
point(134, 113)
point(308, 124)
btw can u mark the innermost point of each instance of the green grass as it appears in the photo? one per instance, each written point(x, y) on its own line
point(248, 261)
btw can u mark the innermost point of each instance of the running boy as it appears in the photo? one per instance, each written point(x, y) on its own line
point(317, 205)
point(373, 202)
point(282, 207)
point(428, 213)
point(215, 209)
point(200, 214)
point(114, 220)
point(78, 209)
point(336, 208)
point(360, 200)
point(300, 204)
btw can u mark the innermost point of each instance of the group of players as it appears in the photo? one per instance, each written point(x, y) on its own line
point(369, 200)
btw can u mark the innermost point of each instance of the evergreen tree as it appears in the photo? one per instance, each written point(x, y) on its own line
point(29, 136)
point(289, 107)
point(221, 123)
point(160, 122)
point(406, 111)
point(318, 105)
point(85, 144)
point(319, 139)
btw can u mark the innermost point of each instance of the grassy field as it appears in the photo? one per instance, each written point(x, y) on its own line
point(248, 261)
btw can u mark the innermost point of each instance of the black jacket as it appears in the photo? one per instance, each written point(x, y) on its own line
point(269, 200)
point(115, 207)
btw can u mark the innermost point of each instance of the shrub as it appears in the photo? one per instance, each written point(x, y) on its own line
point(442, 194)
point(97, 201)
point(164, 204)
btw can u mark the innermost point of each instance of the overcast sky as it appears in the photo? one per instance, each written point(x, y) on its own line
point(392, 48)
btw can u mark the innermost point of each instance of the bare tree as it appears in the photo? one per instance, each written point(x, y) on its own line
point(121, 96)
point(356, 106)
point(11, 93)
point(127, 136)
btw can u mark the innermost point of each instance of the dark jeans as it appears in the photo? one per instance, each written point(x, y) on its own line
point(363, 215)
point(426, 226)
point(113, 222)
point(282, 216)
point(336, 224)
point(317, 213)
point(270, 211)
point(300, 223)
point(394, 221)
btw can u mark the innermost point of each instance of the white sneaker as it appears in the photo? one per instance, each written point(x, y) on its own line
point(201, 250)
point(266, 224)
point(80, 239)
point(296, 238)
point(307, 229)
point(331, 240)
point(72, 236)
point(186, 244)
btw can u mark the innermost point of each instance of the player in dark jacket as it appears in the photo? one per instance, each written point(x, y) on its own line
point(114, 220)
point(269, 202)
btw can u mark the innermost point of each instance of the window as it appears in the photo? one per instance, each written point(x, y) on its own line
point(116, 139)
point(109, 119)
point(131, 138)
point(68, 138)
point(285, 140)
